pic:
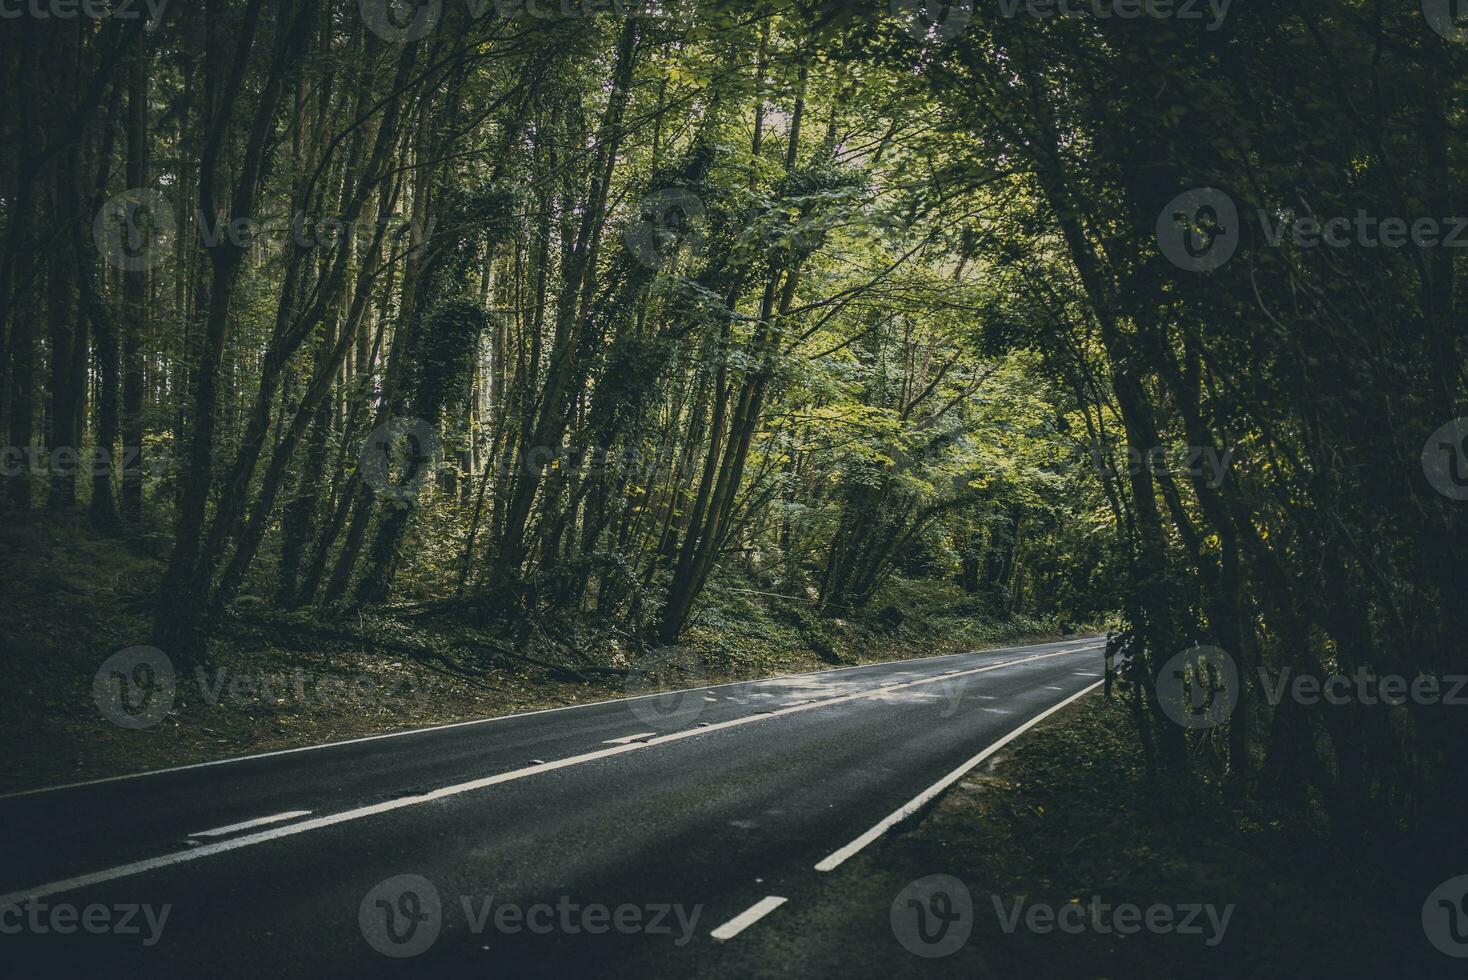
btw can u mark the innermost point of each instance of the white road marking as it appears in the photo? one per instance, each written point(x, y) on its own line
point(628, 738)
point(835, 858)
point(388, 806)
point(748, 917)
point(505, 718)
point(246, 825)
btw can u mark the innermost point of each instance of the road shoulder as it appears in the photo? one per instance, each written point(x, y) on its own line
point(1066, 817)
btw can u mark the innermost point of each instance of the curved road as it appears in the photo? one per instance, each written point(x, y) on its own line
point(640, 837)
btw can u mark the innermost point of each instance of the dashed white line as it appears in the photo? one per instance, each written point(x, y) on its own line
point(748, 917)
point(523, 714)
point(536, 767)
point(247, 824)
point(835, 858)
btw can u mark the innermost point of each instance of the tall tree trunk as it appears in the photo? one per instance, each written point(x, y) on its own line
point(63, 462)
point(134, 304)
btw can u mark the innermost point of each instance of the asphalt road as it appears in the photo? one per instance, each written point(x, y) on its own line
point(642, 837)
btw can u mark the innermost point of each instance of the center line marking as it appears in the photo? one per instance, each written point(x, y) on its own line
point(247, 824)
point(628, 738)
point(748, 917)
point(512, 717)
point(537, 767)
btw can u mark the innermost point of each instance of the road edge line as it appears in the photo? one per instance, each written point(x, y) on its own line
point(834, 860)
point(456, 789)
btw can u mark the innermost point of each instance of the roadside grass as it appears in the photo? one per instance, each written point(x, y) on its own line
point(1068, 815)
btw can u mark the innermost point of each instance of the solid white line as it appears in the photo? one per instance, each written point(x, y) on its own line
point(835, 858)
point(246, 825)
point(627, 738)
point(522, 714)
point(290, 830)
point(748, 917)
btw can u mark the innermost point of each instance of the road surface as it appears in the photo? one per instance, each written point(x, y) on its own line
point(643, 837)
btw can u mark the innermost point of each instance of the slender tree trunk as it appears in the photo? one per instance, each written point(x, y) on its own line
point(134, 304)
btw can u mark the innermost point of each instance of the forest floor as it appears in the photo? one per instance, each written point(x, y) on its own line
point(1068, 816)
point(72, 598)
